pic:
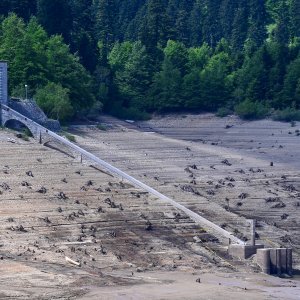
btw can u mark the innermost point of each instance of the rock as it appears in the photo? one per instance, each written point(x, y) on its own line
point(62, 196)
point(149, 226)
point(189, 189)
point(5, 186)
point(29, 173)
point(279, 205)
point(226, 162)
point(42, 190)
point(243, 196)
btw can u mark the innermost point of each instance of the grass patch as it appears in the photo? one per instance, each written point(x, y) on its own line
point(70, 137)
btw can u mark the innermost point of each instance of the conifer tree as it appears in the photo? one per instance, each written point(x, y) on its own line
point(55, 16)
point(23, 8)
point(227, 14)
point(290, 92)
point(240, 26)
point(134, 79)
point(252, 78)
point(155, 24)
point(82, 36)
point(195, 24)
point(211, 29)
point(257, 31)
point(165, 92)
point(295, 18)
point(105, 16)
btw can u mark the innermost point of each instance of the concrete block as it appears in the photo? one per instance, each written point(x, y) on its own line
point(275, 261)
point(289, 261)
point(278, 261)
point(283, 258)
point(243, 251)
point(281, 261)
point(263, 260)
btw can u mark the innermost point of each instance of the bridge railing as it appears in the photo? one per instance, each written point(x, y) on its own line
point(196, 217)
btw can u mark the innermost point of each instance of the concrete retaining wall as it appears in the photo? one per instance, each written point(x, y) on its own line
point(243, 251)
point(275, 261)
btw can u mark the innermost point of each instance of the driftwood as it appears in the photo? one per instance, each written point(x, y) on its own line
point(73, 262)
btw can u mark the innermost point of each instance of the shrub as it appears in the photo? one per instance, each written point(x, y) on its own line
point(251, 110)
point(223, 112)
point(55, 101)
point(102, 127)
point(289, 114)
point(131, 113)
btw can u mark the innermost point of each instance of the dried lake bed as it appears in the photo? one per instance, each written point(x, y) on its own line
point(130, 245)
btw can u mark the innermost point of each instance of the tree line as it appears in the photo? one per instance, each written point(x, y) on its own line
point(135, 57)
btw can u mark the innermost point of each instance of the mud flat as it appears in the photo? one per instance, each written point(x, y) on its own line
point(266, 139)
point(122, 243)
point(225, 183)
point(69, 229)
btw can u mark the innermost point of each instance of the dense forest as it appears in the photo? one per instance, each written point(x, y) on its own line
point(135, 57)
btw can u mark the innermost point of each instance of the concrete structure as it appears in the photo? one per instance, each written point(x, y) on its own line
point(243, 251)
point(31, 110)
point(3, 86)
point(7, 115)
point(28, 109)
point(3, 83)
point(246, 251)
point(277, 261)
point(263, 260)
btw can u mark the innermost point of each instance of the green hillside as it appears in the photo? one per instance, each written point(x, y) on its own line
point(134, 57)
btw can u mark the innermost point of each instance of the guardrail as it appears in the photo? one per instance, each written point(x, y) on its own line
point(194, 216)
